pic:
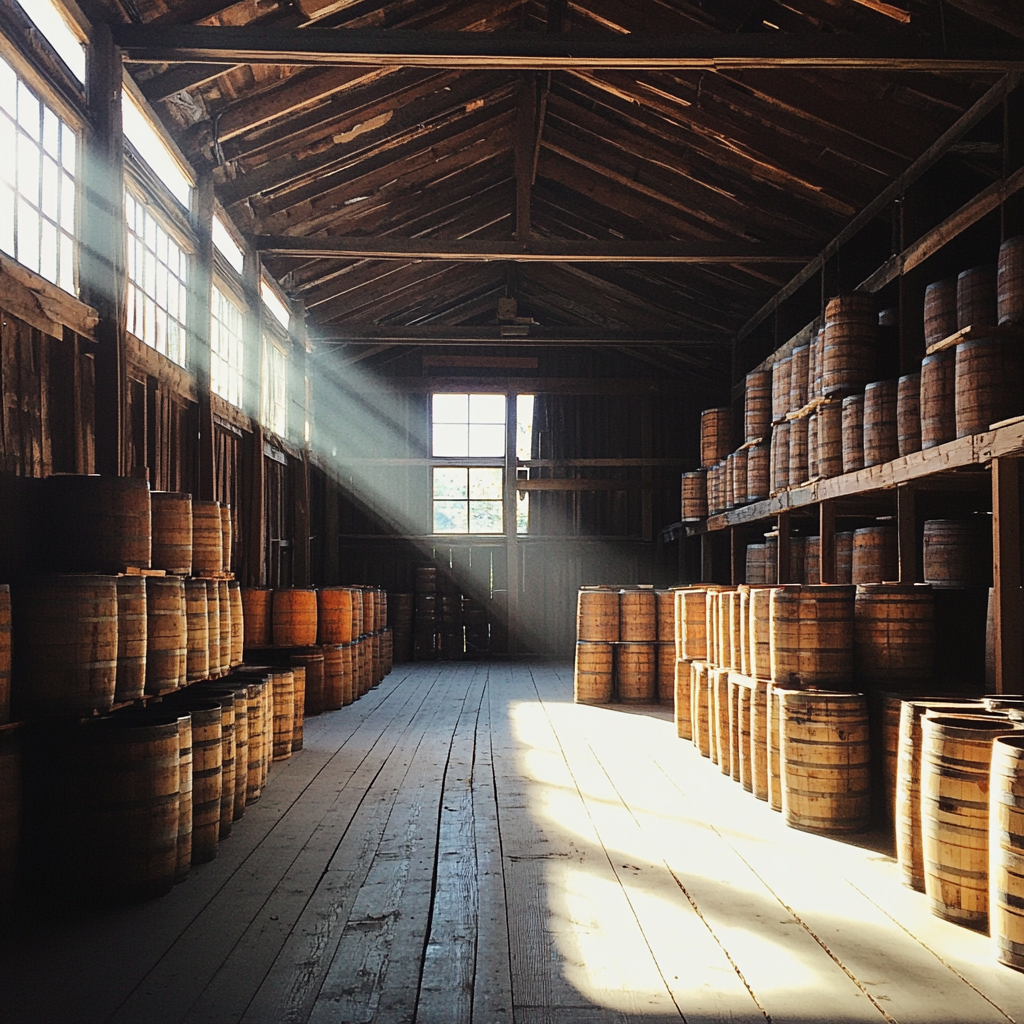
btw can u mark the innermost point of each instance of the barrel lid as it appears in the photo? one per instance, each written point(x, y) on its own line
point(991, 722)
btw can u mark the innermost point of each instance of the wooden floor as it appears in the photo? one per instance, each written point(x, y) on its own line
point(465, 844)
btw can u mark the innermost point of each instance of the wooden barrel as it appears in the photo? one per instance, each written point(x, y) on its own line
point(715, 435)
point(166, 634)
point(172, 532)
point(681, 699)
point(774, 761)
point(665, 672)
point(183, 859)
point(131, 639)
point(956, 756)
point(691, 609)
point(64, 645)
point(875, 556)
point(908, 414)
point(938, 398)
point(665, 614)
point(987, 382)
point(759, 632)
point(782, 378)
point(744, 706)
point(719, 713)
point(207, 781)
point(238, 689)
point(757, 405)
point(197, 632)
point(334, 614)
point(758, 466)
point(734, 636)
point(635, 673)
point(894, 633)
point(592, 673)
point(780, 457)
point(755, 565)
point(814, 369)
point(734, 726)
point(294, 618)
point(958, 552)
point(738, 465)
point(224, 610)
point(597, 614)
point(812, 561)
point(283, 686)
point(830, 439)
point(213, 628)
point(1009, 283)
point(368, 596)
point(256, 603)
point(1006, 840)
point(853, 433)
point(798, 377)
point(11, 810)
point(844, 557)
point(825, 760)
point(312, 663)
point(759, 691)
point(694, 494)
point(712, 718)
point(357, 612)
point(812, 446)
point(96, 524)
point(699, 707)
point(797, 462)
point(812, 635)
point(884, 710)
point(940, 310)
point(334, 678)
point(226, 538)
point(730, 491)
point(349, 668)
point(207, 539)
point(795, 573)
point(638, 619)
point(257, 739)
point(880, 434)
point(848, 352)
point(976, 303)
point(225, 697)
point(771, 557)
point(299, 707)
point(237, 622)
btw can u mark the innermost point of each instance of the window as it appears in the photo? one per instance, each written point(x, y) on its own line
point(150, 145)
point(227, 246)
point(37, 183)
point(274, 303)
point(470, 426)
point(54, 25)
point(274, 388)
point(468, 499)
point(157, 272)
point(524, 452)
point(226, 347)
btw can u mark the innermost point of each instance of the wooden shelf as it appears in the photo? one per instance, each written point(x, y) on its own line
point(1009, 333)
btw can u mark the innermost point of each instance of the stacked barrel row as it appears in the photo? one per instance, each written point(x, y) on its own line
point(448, 625)
point(343, 629)
point(625, 645)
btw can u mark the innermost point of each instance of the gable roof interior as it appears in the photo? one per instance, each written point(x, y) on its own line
point(772, 156)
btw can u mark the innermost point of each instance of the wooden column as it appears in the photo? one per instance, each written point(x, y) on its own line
point(511, 537)
point(526, 117)
point(102, 254)
point(827, 541)
point(906, 533)
point(1009, 620)
point(200, 285)
point(783, 527)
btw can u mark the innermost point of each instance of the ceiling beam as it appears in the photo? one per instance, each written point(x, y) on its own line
point(520, 51)
point(538, 250)
point(380, 334)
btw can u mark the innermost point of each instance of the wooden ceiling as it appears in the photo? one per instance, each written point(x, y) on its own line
point(767, 164)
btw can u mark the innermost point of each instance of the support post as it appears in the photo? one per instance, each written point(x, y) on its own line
point(201, 284)
point(1009, 620)
point(827, 541)
point(526, 118)
point(783, 528)
point(102, 259)
point(511, 537)
point(906, 533)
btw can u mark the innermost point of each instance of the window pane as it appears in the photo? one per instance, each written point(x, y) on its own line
point(487, 409)
point(485, 517)
point(450, 482)
point(485, 483)
point(523, 512)
point(451, 517)
point(524, 427)
point(451, 408)
point(486, 441)
point(450, 440)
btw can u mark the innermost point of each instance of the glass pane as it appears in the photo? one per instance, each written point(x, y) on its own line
point(485, 517)
point(48, 255)
point(451, 517)
point(28, 110)
point(450, 440)
point(67, 264)
point(451, 408)
point(450, 482)
point(486, 408)
point(7, 220)
point(51, 188)
point(524, 427)
point(486, 441)
point(523, 512)
point(28, 170)
point(28, 235)
point(51, 132)
point(7, 145)
point(67, 204)
point(68, 142)
point(485, 483)
point(8, 88)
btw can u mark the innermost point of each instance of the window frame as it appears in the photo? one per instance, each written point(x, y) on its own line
point(271, 336)
point(233, 294)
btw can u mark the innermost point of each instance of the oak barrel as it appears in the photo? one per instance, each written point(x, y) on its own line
point(894, 633)
point(797, 462)
point(636, 673)
point(207, 539)
point(908, 414)
point(881, 442)
point(844, 556)
point(665, 605)
point(938, 398)
point(283, 688)
point(812, 446)
point(976, 297)
point(798, 377)
point(718, 712)
point(1009, 282)
point(830, 439)
point(597, 614)
point(293, 618)
point(812, 561)
point(183, 859)
point(256, 603)
point(213, 628)
point(755, 573)
point(299, 708)
point(665, 672)
point(225, 698)
point(131, 639)
point(759, 691)
point(848, 352)
point(681, 699)
point(958, 552)
point(224, 610)
point(226, 538)
point(812, 635)
point(759, 632)
point(237, 622)
point(172, 532)
point(197, 632)
point(312, 661)
point(825, 760)
point(738, 468)
point(691, 614)
point(206, 717)
point(694, 494)
point(782, 378)
point(875, 556)
point(592, 673)
point(940, 310)
point(853, 433)
point(987, 382)
point(757, 405)
point(780, 457)
point(758, 469)
point(334, 678)
point(334, 614)
point(699, 707)
point(715, 434)
point(1006, 841)
point(637, 616)
point(744, 707)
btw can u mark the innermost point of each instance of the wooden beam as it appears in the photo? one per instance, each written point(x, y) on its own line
point(1009, 620)
point(363, 334)
point(584, 484)
point(202, 44)
point(526, 117)
point(984, 106)
point(545, 250)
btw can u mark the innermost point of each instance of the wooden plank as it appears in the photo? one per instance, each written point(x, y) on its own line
point(537, 52)
point(1006, 572)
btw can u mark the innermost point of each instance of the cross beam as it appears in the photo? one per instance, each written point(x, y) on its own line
point(359, 334)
